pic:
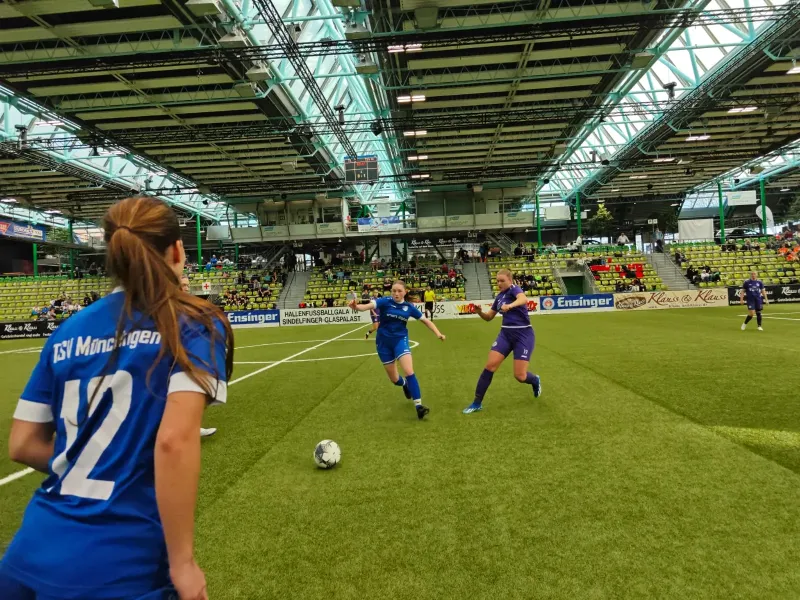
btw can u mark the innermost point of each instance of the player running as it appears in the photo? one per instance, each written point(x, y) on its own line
point(516, 335)
point(374, 314)
point(392, 340)
point(111, 414)
point(204, 431)
point(753, 290)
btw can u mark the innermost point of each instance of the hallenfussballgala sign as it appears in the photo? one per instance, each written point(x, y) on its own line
point(676, 299)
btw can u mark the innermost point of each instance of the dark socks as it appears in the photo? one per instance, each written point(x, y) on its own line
point(400, 382)
point(530, 379)
point(484, 381)
point(748, 319)
point(758, 318)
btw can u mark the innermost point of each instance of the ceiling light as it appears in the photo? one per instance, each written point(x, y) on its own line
point(638, 176)
point(793, 71)
point(675, 204)
point(698, 138)
point(9, 200)
point(416, 133)
point(403, 99)
point(418, 98)
point(420, 176)
point(614, 189)
point(413, 47)
point(421, 191)
point(395, 49)
point(419, 157)
point(53, 211)
point(786, 190)
point(664, 160)
point(743, 109)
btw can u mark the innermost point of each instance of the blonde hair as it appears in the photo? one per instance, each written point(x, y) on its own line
point(506, 273)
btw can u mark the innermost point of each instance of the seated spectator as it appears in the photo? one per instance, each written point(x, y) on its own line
point(623, 240)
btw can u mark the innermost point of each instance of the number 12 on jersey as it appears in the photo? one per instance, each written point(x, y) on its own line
point(75, 481)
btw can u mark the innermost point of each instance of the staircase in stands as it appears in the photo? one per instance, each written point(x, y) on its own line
point(500, 239)
point(295, 289)
point(669, 272)
point(478, 285)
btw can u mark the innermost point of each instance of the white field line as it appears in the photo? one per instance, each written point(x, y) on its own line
point(23, 472)
point(412, 344)
point(23, 350)
point(777, 318)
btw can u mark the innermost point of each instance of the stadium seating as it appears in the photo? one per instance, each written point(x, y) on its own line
point(735, 266)
point(612, 266)
point(18, 295)
point(365, 277)
point(227, 279)
point(539, 267)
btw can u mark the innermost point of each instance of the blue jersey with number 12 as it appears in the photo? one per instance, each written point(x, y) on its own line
point(92, 530)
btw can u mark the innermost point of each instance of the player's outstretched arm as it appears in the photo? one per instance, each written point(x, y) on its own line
point(485, 315)
point(177, 473)
point(31, 444)
point(362, 307)
point(429, 324)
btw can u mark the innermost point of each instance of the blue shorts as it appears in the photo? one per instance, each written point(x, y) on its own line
point(755, 303)
point(11, 589)
point(390, 349)
point(520, 341)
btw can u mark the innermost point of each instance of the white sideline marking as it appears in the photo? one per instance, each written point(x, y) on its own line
point(412, 344)
point(23, 472)
point(293, 356)
point(14, 476)
point(23, 350)
point(777, 318)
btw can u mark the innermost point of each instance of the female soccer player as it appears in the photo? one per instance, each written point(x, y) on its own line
point(392, 340)
point(111, 415)
point(753, 291)
point(516, 335)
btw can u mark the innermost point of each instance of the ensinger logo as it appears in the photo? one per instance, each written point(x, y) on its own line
point(247, 318)
point(548, 303)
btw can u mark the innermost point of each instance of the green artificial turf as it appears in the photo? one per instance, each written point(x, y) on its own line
point(663, 461)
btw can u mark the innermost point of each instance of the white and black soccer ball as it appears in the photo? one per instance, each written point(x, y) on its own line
point(327, 454)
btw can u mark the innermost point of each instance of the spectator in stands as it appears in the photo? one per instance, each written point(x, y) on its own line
point(623, 240)
point(519, 250)
point(484, 251)
point(87, 300)
point(95, 297)
point(680, 258)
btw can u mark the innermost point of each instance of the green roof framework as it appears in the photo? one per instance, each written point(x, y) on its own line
point(688, 57)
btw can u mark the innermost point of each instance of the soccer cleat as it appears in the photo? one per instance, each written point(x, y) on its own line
point(406, 391)
point(744, 326)
point(761, 329)
point(474, 407)
point(422, 410)
point(537, 387)
point(207, 432)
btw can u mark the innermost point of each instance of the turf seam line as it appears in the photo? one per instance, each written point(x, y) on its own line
point(23, 472)
point(673, 411)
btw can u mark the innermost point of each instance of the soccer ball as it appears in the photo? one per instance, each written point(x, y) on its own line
point(327, 454)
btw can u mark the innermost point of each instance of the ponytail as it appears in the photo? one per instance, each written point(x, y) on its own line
point(138, 233)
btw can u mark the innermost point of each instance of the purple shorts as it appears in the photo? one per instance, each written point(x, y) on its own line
point(520, 341)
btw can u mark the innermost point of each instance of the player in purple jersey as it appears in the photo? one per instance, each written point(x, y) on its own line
point(111, 415)
point(516, 335)
point(755, 294)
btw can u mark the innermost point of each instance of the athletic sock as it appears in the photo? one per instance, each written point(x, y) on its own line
point(413, 388)
point(758, 318)
point(530, 379)
point(484, 381)
point(748, 319)
point(400, 382)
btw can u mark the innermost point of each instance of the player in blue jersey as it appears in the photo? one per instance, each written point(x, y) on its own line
point(756, 296)
point(110, 415)
point(392, 340)
point(374, 314)
point(516, 335)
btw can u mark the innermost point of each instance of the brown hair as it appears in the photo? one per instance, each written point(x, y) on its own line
point(138, 231)
point(401, 282)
